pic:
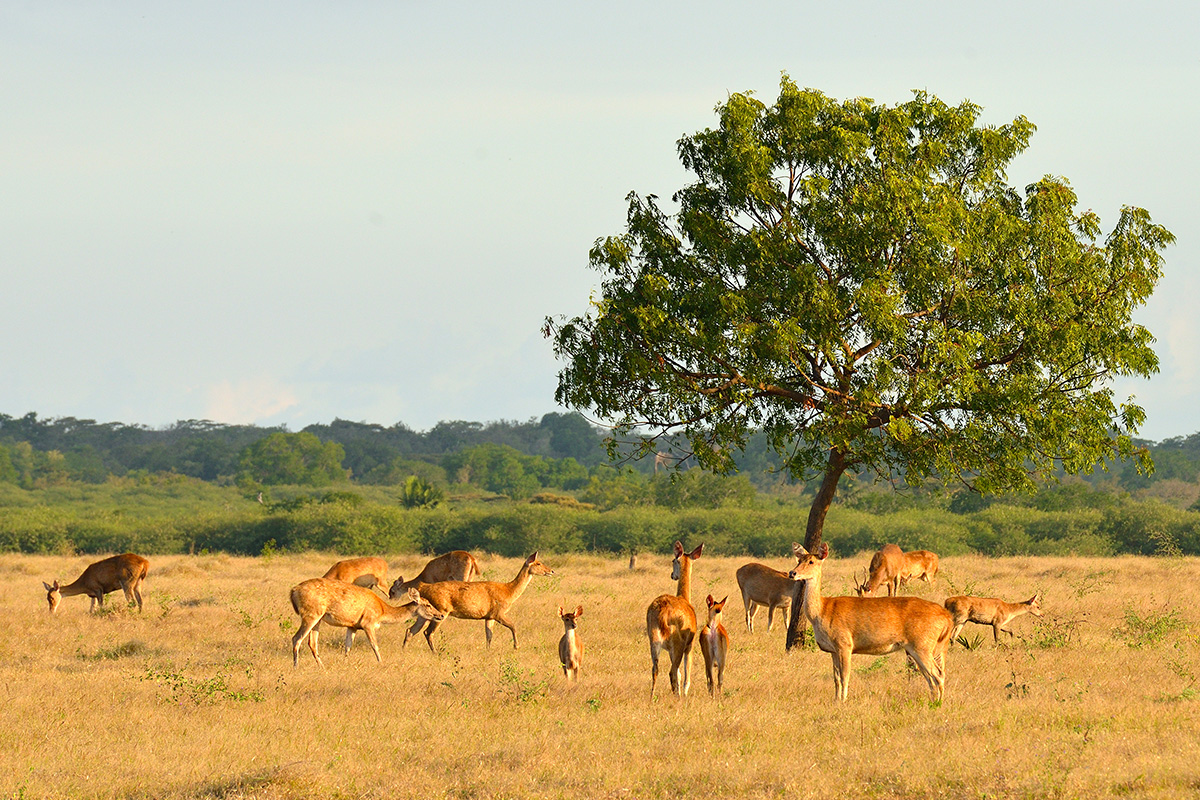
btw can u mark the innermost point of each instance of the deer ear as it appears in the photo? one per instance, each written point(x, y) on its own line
point(578, 612)
point(560, 611)
point(50, 588)
point(824, 551)
point(723, 599)
point(798, 550)
point(709, 600)
point(696, 553)
point(532, 557)
point(678, 548)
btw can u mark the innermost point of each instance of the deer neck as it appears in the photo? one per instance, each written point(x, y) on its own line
point(684, 587)
point(517, 585)
point(812, 596)
point(73, 588)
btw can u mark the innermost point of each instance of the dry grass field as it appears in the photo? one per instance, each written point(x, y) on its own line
point(197, 698)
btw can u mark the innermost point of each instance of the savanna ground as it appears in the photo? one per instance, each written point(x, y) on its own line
point(197, 698)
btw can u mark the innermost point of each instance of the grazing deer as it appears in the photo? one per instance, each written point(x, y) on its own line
point(570, 651)
point(671, 623)
point(489, 601)
point(763, 586)
point(125, 572)
point(714, 644)
point(345, 605)
point(885, 569)
point(988, 611)
point(921, 564)
point(457, 565)
point(369, 572)
point(873, 626)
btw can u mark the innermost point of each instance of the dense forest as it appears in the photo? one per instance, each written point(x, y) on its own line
point(507, 486)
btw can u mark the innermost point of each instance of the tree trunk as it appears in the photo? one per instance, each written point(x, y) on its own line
point(633, 560)
point(797, 625)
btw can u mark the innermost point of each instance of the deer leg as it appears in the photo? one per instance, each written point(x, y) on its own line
point(841, 673)
point(370, 632)
point(751, 607)
point(349, 640)
point(919, 659)
point(429, 629)
point(305, 629)
point(676, 650)
point(414, 630)
point(487, 628)
point(996, 632)
point(687, 663)
point(655, 647)
point(508, 624)
point(137, 594)
point(770, 617)
point(957, 629)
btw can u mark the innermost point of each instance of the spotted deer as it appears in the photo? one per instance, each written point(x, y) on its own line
point(570, 650)
point(345, 605)
point(874, 626)
point(125, 572)
point(988, 611)
point(714, 645)
point(671, 624)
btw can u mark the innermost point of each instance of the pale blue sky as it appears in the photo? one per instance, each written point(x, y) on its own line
point(290, 212)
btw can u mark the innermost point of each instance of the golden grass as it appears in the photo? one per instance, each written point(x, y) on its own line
point(197, 697)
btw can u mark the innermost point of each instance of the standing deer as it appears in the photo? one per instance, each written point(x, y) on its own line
point(570, 651)
point(885, 569)
point(369, 572)
point(457, 565)
point(125, 572)
point(671, 623)
point(345, 605)
point(873, 626)
point(714, 644)
point(921, 564)
point(763, 586)
point(988, 611)
point(489, 601)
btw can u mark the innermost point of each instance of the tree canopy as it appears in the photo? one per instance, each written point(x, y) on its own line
point(860, 283)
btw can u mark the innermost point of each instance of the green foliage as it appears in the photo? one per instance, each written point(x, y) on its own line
point(179, 687)
point(299, 459)
point(418, 493)
point(859, 283)
point(1139, 632)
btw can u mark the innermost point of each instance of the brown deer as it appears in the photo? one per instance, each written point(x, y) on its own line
point(988, 611)
point(457, 565)
point(570, 650)
point(369, 572)
point(489, 601)
point(345, 605)
point(714, 644)
point(873, 626)
point(921, 564)
point(885, 570)
point(671, 623)
point(763, 586)
point(125, 572)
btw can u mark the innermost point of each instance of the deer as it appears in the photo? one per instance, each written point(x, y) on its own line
point(671, 623)
point(369, 572)
point(763, 586)
point(346, 605)
point(457, 565)
point(921, 564)
point(714, 644)
point(988, 611)
point(885, 569)
point(873, 626)
point(125, 572)
point(570, 650)
point(489, 601)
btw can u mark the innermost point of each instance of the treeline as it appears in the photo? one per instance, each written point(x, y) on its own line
point(42, 451)
point(180, 515)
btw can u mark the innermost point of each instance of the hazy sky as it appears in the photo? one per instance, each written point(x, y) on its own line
point(288, 212)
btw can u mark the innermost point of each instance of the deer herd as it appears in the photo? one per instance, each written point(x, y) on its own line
point(348, 596)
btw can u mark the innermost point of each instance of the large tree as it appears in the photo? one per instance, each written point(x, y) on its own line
point(860, 282)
